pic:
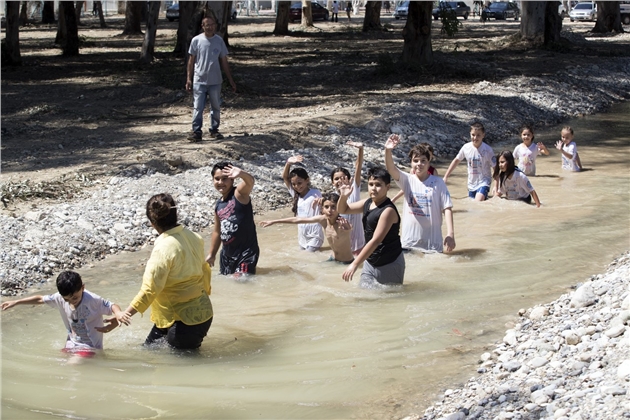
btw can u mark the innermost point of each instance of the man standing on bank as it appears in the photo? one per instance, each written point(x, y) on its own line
point(207, 57)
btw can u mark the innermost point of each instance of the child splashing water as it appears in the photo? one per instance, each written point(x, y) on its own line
point(510, 182)
point(337, 229)
point(527, 151)
point(310, 236)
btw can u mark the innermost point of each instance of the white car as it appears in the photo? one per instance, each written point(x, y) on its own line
point(584, 11)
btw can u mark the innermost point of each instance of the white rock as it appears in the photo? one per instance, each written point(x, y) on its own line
point(583, 296)
point(623, 371)
point(538, 313)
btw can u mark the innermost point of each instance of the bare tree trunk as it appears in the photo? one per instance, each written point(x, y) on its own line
point(186, 13)
point(12, 57)
point(99, 10)
point(372, 20)
point(78, 6)
point(133, 18)
point(70, 45)
point(553, 23)
point(533, 21)
point(608, 17)
point(23, 15)
point(417, 49)
point(60, 39)
point(307, 13)
point(282, 18)
point(48, 13)
point(148, 46)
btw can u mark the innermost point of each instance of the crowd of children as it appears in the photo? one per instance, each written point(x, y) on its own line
point(360, 232)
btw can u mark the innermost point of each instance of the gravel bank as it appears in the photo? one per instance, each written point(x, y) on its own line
point(566, 360)
point(40, 243)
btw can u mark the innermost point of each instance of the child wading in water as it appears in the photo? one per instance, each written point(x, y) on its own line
point(430, 171)
point(568, 148)
point(382, 255)
point(336, 228)
point(527, 151)
point(480, 158)
point(310, 236)
point(339, 177)
point(510, 182)
point(426, 199)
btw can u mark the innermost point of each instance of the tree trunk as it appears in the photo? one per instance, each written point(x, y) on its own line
point(553, 23)
point(608, 17)
point(99, 9)
point(282, 18)
point(307, 13)
point(533, 21)
point(148, 46)
point(417, 49)
point(12, 57)
point(133, 18)
point(61, 26)
point(48, 13)
point(372, 20)
point(78, 8)
point(23, 15)
point(186, 13)
point(220, 11)
point(70, 44)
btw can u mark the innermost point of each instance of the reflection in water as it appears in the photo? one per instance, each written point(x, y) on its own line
point(296, 341)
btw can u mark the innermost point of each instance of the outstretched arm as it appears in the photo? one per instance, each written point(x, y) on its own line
point(32, 300)
point(451, 168)
point(244, 189)
point(449, 240)
point(359, 164)
point(390, 144)
point(398, 195)
point(287, 169)
point(293, 220)
point(343, 207)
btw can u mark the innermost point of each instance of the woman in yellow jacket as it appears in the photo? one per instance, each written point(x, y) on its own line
point(176, 281)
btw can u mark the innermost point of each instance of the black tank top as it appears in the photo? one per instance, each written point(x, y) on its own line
point(390, 248)
point(238, 230)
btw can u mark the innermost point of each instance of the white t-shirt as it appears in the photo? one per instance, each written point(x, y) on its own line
point(309, 234)
point(82, 321)
point(422, 211)
point(480, 163)
point(357, 236)
point(570, 164)
point(516, 187)
point(526, 158)
point(207, 52)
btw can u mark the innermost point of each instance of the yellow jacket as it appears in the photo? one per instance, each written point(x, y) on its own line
point(176, 280)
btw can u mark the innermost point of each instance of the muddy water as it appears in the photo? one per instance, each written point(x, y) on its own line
point(296, 341)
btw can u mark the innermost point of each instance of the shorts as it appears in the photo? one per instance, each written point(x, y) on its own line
point(527, 199)
point(483, 190)
point(242, 262)
point(392, 273)
point(180, 335)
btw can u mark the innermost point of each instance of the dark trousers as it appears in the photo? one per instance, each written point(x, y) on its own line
point(180, 335)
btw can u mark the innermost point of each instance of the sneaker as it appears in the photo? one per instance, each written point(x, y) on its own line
point(194, 137)
point(215, 134)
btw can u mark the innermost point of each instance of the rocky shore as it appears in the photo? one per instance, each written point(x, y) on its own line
point(566, 360)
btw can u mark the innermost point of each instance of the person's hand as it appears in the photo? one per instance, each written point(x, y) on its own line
point(266, 223)
point(317, 202)
point(210, 259)
point(8, 304)
point(392, 141)
point(110, 324)
point(449, 243)
point(343, 223)
point(356, 144)
point(232, 171)
point(295, 159)
point(347, 275)
point(346, 190)
point(189, 85)
point(233, 86)
point(124, 317)
point(559, 144)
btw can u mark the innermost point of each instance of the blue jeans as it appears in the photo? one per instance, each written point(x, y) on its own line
point(201, 93)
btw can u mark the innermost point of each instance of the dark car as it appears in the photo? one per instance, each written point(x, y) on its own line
point(318, 11)
point(460, 8)
point(501, 10)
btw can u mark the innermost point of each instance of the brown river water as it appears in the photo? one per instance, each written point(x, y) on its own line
point(296, 341)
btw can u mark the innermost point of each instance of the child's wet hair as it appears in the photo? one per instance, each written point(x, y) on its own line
point(68, 283)
point(422, 149)
point(380, 174)
point(509, 170)
point(331, 196)
point(221, 166)
point(339, 169)
point(161, 211)
point(527, 127)
point(567, 128)
point(477, 126)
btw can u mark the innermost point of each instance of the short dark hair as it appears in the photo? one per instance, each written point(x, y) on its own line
point(379, 173)
point(68, 283)
point(221, 166)
point(330, 196)
point(477, 126)
point(422, 149)
point(339, 169)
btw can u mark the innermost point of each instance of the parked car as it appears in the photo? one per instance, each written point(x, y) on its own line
point(562, 11)
point(318, 12)
point(501, 10)
point(172, 12)
point(460, 8)
point(401, 10)
point(584, 11)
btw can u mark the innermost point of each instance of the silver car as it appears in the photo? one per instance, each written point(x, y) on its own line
point(401, 10)
point(584, 11)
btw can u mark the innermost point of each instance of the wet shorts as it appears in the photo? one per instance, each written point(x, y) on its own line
point(483, 190)
point(392, 273)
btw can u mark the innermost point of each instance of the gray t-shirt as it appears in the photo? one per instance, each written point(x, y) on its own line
point(207, 52)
